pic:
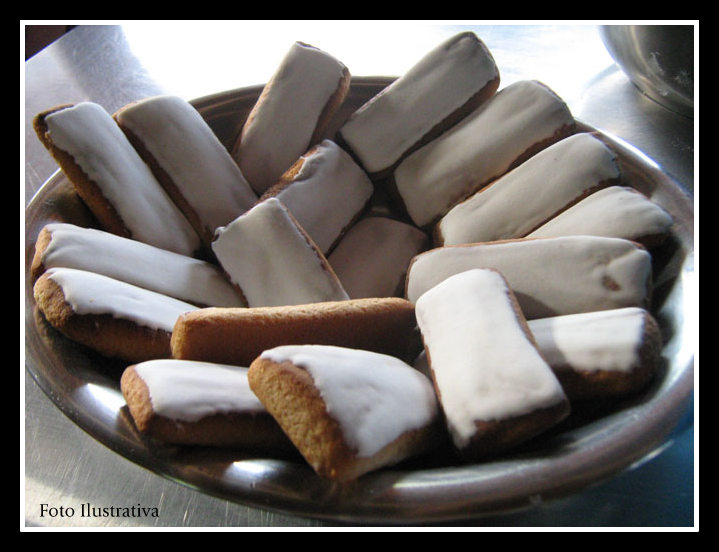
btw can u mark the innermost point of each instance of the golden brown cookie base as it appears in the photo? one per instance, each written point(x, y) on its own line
point(257, 432)
point(239, 335)
point(41, 244)
point(289, 394)
point(109, 336)
point(602, 384)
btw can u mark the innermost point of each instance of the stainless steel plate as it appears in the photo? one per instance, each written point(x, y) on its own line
point(593, 445)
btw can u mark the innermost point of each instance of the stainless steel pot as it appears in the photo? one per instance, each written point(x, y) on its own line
point(659, 60)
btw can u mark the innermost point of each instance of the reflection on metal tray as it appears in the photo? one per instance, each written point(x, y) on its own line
point(592, 446)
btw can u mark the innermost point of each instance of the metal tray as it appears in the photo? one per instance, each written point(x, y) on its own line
point(593, 445)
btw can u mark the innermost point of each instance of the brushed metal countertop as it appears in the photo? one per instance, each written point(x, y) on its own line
point(115, 64)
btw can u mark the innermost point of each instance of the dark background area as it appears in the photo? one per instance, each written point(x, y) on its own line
point(38, 37)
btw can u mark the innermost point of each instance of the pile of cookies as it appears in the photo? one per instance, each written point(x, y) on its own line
point(261, 301)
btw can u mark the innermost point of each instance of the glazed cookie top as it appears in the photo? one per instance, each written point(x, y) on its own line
point(484, 363)
point(384, 128)
point(550, 276)
point(372, 258)
point(89, 293)
point(327, 177)
point(137, 263)
point(600, 340)
point(616, 211)
point(97, 144)
point(286, 116)
point(375, 398)
point(480, 148)
point(273, 261)
point(554, 178)
point(188, 391)
point(187, 150)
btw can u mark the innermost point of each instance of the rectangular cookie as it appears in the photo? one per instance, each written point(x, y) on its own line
point(272, 260)
point(618, 212)
point(112, 179)
point(371, 259)
point(600, 354)
point(181, 402)
point(111, 317)
point(495, 389)
point(238, 336)
point(291, 114)
point(326, 191)
point(514, 124)
point(555, 178)
point(549, 276)
point(436, 92)
point(347, 411)
point(185, 278)
point(188, 160)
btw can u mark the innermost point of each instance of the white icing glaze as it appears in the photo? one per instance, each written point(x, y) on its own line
point(188, 391)
point(388, 125)
point(286, 117)
point(551, 276)
point(140, 264)
point(484, 365)
point(554, 178)
point(265, 253)
point(185, 147)
point(479, 149)
point(375, 398)
point(327, 193)
point(90, 135)
point(602, 340)
point(90, 293)
point(613, 212)
point(372, 258)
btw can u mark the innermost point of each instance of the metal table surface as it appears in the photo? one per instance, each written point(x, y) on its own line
point(115, 64)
